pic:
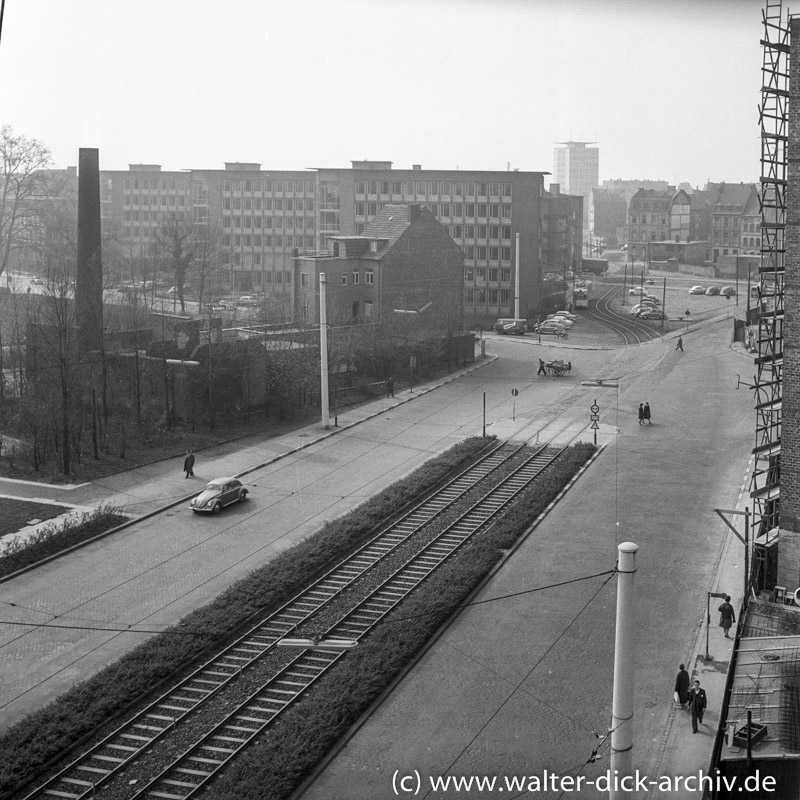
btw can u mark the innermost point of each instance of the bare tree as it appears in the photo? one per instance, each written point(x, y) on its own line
point(23, 178)
point(206, 269)
point(177, 247)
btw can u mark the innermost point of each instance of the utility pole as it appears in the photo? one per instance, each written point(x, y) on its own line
point(516, 282)
point(323, 353)
point(622, 703)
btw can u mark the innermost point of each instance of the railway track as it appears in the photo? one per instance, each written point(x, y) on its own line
point(334, 599)
point(630, 329)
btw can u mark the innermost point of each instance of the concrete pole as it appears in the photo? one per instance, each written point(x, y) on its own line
point(323, 353)
point(622, 703)
point(516, 282)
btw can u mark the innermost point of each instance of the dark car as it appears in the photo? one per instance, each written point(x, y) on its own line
point(712, 290)
point(219, 493)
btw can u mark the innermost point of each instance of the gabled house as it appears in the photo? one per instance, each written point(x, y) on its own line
point(403, 262)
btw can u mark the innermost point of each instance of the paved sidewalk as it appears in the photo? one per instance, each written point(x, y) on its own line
point(152, 487)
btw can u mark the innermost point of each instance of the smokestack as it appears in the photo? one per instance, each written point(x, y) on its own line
point(89, 277)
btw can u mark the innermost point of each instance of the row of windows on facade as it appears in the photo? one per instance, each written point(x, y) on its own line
point(248, 223)
point(492, 296)
point(263, 186)
point(733, 238)
point(482, 274)
point(469, 211)
point(354, 278)
point(656, 219)
point(412, 189)
point(259, 279)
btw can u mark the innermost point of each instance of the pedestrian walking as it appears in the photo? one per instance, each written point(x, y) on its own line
point(682, 683)
point(390, 387)
point(679, 346)
point(697, 704)
point(542, 370)
point(726, 615)
point(188, 464)
point(647, 413)
point(641, 413)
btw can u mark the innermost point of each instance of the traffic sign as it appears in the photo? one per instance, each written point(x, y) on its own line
point(595, 408)
point(594, 426)
point(515, 392)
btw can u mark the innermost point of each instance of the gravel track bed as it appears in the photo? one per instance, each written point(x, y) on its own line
point(188, 731)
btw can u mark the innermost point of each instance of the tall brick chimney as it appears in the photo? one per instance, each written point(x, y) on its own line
point(89, 278)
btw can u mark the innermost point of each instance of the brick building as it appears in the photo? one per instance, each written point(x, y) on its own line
point(403, 261)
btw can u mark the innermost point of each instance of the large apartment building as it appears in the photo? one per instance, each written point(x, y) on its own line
point(262, 220)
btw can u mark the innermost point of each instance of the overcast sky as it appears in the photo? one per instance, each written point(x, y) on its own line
point(669, 89)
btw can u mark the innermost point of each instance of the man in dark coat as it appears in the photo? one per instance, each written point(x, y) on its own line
point(390, 387)
point(188, 464)
point(641, 413)
point(697, 704)
point(647, 413)
point(542, 370)
point(682, 686)
point(726, 615)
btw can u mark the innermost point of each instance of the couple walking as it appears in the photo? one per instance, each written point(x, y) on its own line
point(644, 414)
point(693, 699)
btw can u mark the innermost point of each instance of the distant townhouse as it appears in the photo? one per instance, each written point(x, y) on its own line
point(728, 217)
point(649, 219)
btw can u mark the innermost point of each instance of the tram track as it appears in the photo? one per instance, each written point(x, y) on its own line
point(345, 602)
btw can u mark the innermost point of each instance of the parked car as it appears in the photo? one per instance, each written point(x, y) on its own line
point(566, 315)
point(37, 281)
point(637, 290)
point(650, 281)
point(637, 308)
point(219, 493)
point(551, 326)
point(697, 290)
point(567, 323)
point(649, 299)
point(624, 247)
point(652, 313)
point(508, 325)
point(728, 291)
point(712, 290)
point(248, 300)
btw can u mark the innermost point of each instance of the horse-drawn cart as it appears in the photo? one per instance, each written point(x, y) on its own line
point(558, 367)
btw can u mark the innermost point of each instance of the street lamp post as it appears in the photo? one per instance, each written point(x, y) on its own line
point(708, 616)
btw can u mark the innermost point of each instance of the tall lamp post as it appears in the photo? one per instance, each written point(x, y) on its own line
point(323, 353)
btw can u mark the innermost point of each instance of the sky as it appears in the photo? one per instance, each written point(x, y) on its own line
point(668, 89)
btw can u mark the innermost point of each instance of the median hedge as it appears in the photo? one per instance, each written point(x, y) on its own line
point(278, 763)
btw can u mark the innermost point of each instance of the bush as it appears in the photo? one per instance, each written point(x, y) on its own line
point(55, 537)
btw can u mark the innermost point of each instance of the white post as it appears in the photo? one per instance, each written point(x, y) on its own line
point(516, 283)
point(323, 353)
point(622, 702)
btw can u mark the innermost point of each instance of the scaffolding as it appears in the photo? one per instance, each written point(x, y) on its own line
point(767, 307)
